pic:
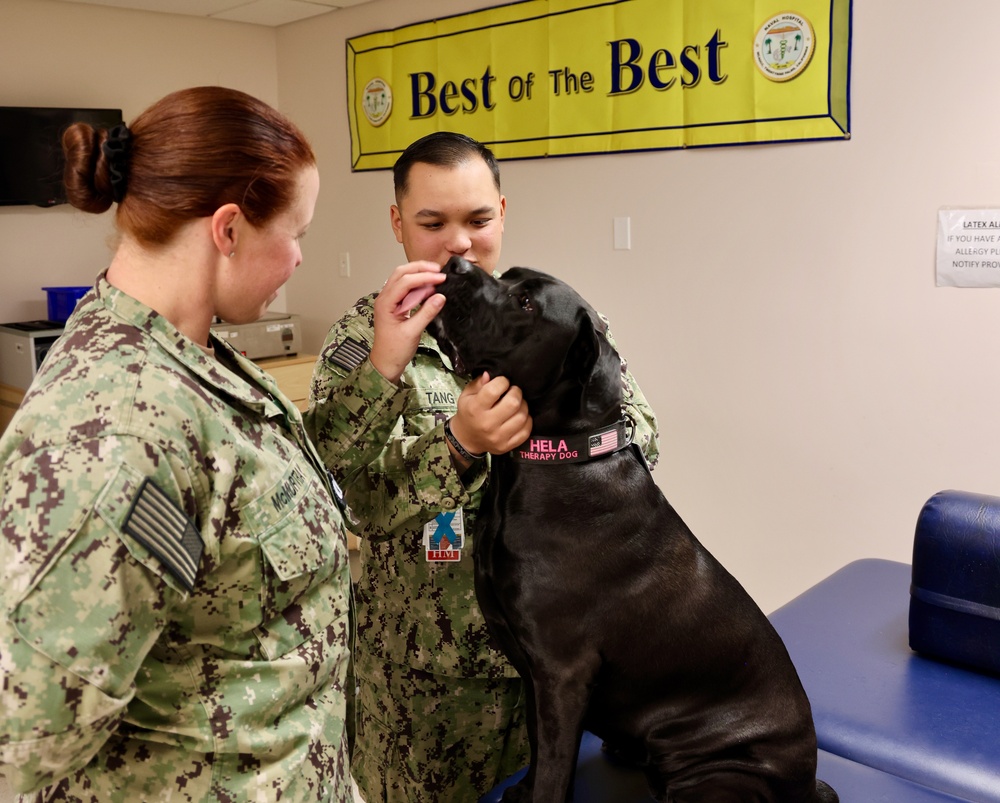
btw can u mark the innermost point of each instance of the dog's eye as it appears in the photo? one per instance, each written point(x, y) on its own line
point(525, 301)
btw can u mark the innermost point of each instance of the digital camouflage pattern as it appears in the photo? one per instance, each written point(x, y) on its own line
point(386, 445)
point(128, 674)
point(426, 738)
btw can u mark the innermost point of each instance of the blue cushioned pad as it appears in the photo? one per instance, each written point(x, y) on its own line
point(858, 783)
point(955, 590)
point(597, 779)
point(877, 703)
point(600, 781)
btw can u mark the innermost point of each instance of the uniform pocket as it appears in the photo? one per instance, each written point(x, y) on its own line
point(279, 520)
point(304, 546)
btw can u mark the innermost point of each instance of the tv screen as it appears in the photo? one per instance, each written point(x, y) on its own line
point(31, 160)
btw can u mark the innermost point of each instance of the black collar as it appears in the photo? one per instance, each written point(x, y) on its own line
point(559, 449)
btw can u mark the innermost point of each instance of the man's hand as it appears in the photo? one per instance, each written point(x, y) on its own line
point(492, 417)
point(397, 326)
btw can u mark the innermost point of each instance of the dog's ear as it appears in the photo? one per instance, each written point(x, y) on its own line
point(598, 365)
point(586, 346)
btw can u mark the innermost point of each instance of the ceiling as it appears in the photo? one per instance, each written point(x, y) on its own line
point(258, 12)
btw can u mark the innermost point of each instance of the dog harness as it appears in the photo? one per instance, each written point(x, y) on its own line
point(559, 449)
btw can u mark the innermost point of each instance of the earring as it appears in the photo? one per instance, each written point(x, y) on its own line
point(232, 254)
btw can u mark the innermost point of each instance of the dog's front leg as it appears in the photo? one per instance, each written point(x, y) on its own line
point(560, 703)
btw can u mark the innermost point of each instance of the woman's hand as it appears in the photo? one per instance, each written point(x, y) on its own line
point(397, 326)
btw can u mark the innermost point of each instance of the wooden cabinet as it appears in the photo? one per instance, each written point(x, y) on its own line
point(293, 375)
point(10, 399)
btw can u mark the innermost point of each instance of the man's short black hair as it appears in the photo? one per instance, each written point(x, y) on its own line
point(444, 149)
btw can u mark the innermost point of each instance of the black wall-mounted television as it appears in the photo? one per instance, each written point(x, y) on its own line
point(31, 160)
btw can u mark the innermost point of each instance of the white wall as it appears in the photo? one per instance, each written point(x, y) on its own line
point(778, 306)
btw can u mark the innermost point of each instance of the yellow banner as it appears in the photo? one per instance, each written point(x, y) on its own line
point(566, 77)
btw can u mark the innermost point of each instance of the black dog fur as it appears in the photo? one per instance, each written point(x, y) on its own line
point(617, 618)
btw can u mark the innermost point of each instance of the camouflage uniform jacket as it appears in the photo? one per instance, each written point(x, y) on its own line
point(176, 589)
point(386, 446)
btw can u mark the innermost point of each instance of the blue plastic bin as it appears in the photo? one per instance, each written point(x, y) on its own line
point(62, 301)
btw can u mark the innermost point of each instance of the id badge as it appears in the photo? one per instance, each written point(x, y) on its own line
point(444, 537)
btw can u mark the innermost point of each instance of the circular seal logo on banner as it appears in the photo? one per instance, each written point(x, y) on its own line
point(783, 46)
point(376, 100)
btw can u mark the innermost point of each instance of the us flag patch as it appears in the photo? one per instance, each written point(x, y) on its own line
point(603, 443)
point(166, 531)
point(350, 354)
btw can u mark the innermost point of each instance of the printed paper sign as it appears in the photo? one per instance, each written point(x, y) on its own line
point(968, 252)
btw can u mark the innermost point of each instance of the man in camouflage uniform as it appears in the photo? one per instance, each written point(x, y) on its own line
point(440, 710)
point(175, 598)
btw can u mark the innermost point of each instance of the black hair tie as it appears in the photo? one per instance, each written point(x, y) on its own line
point(116, 149)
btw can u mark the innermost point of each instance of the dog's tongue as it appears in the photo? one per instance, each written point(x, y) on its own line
point(415, 298)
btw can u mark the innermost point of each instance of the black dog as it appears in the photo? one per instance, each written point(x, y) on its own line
point(617, 618)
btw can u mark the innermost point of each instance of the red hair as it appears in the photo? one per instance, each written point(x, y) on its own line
point(188, 154)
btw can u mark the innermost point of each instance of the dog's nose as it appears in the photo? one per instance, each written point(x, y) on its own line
point(458, 265)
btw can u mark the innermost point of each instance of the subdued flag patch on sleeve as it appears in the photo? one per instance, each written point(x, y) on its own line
point(157, 523)
point(350, 354)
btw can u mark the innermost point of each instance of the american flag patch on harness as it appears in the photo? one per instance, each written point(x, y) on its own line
point(603, 443)
point(166, 531)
